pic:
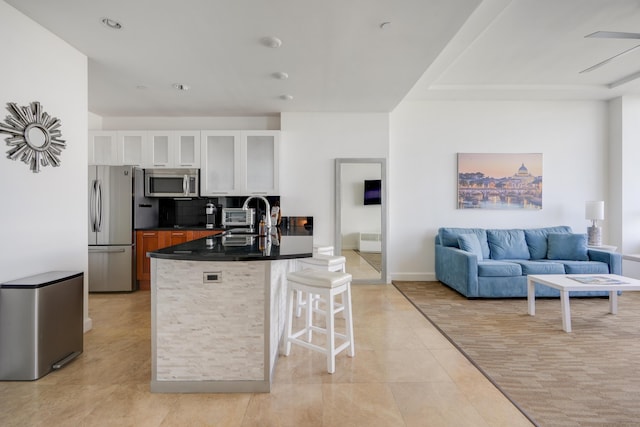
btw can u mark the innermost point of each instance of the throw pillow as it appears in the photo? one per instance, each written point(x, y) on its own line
point(537, 239)
point(449, 237)
point(470, 243)
point(567, 246)
point(507, 244)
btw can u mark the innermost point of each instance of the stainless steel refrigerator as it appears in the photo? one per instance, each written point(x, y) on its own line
point(117, 207)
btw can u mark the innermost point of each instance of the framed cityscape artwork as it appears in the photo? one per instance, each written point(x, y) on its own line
point(500, 181)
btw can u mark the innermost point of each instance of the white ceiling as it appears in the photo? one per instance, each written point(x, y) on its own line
point(337, 56)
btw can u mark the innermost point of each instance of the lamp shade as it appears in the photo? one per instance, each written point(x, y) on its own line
point(594, 210)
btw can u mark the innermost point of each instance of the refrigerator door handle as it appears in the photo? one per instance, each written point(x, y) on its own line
point(106, 251)
point(92, 206)
point(98, 206)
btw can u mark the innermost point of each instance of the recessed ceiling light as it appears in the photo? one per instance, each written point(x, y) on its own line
point(281, 75)
point(180, 86)
point(111, 23)
point(286, 97)
point(271, 42)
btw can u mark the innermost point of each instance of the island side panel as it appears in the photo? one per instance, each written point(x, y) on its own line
point(209, 331)
point(278, 307)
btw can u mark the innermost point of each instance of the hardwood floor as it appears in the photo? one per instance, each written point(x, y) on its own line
point(404, 373)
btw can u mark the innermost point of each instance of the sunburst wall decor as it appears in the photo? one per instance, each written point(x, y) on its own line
point(35, 136)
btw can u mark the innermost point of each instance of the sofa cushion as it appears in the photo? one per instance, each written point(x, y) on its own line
point(507, 244)
point(470, 243)
point(567, 246)
point(540, 267)
point(537, 239)
point(585, 267)
point(490, 268)
point(449, 237)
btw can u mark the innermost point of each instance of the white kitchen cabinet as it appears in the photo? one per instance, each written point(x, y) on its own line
point(187, 149)
point(220, 171)
point(117, 148)
point(103, 148)
point(131, 146)
point(261, 162)
point(240, 163)
point(159, 153)
point(173, 149)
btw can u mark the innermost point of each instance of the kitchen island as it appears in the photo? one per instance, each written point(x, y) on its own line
point(218, 310)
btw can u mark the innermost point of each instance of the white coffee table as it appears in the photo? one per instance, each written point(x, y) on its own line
point(564, 283)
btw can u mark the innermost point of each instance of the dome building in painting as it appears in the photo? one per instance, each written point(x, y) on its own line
point(522, 177)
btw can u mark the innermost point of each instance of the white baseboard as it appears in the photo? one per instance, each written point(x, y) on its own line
point(88, 324)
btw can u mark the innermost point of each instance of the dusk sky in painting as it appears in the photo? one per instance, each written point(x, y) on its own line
point(499, 165)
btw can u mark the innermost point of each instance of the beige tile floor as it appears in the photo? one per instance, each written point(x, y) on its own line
point(358, 267)
point(404, 374)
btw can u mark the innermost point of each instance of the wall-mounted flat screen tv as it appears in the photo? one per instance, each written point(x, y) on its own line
point(372, 191)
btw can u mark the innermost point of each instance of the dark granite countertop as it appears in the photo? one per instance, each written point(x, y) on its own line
point(181, 228)
point(229, 246)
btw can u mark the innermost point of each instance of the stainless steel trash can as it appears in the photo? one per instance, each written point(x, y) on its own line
point(41, 324)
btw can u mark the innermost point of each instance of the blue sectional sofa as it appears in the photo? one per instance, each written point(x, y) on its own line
point(494, 263)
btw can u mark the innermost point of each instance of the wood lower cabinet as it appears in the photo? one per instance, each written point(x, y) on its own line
point(199, 234)
point(146, 241)
point(172, 238)
point(151, 240)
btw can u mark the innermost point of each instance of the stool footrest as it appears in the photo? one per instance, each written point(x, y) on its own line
point(294, 339)
point(308, 345)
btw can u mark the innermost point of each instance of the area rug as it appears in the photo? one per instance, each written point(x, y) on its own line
point(374, 259)
point(589, 377)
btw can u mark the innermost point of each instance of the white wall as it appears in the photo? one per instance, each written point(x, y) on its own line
point(43, 221)
point(624, 212)
point(356, 217)
point(310, 144)
point(425, 137)
point(95, 121)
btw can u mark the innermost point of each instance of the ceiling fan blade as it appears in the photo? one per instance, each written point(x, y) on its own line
point(613, 35)
point(606, 61)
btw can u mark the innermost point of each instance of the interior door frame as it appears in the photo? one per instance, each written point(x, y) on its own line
point(383, 211)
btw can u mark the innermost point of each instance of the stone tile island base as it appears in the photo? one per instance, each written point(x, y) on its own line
point(216, 325)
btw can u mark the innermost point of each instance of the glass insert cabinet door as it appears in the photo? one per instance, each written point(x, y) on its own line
point(361, 218)
point(160, 150)
point(261, 169)
point(240, 163)
point(187, 154)
point(220, 163)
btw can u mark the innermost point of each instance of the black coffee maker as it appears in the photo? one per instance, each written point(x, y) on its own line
point(210, 210)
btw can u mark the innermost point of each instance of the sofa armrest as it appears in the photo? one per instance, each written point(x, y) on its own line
point(613, 259)
point(458, 269)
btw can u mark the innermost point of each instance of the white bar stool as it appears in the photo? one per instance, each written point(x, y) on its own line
point(324, 262)
point(318, 262)
point(322, 250)
point(326, 284)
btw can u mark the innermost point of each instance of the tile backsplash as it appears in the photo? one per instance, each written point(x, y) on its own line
point(191, 213)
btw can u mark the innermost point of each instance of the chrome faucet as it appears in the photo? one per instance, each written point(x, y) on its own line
point(267, 206)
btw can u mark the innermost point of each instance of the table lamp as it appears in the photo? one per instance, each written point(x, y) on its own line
point(594, 211)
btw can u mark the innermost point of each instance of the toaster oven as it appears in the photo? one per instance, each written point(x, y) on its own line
point(238, 217)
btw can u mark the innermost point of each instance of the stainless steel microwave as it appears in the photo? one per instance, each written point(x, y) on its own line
point(171, 182)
